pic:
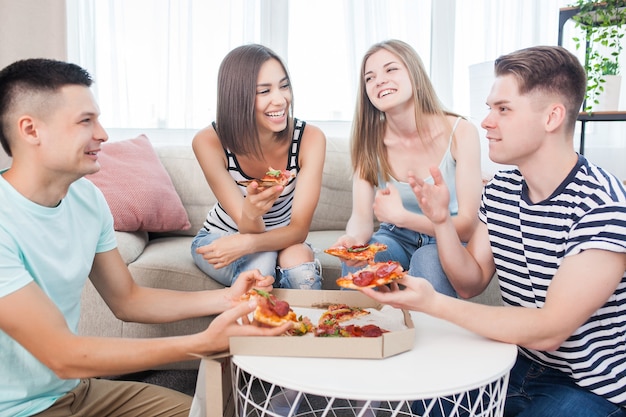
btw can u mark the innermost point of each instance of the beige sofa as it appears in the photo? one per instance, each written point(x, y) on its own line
point(164, 260)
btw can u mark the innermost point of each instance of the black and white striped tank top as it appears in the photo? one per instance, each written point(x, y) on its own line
point(280, 213)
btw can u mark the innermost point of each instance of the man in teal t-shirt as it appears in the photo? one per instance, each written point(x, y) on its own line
point(55, 232)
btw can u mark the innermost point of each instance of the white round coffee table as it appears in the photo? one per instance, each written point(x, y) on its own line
point(450, 371)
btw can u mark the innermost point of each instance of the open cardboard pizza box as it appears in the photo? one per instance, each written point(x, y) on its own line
point(400, 338)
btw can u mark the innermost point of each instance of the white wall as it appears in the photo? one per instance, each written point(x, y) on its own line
point(32, 29)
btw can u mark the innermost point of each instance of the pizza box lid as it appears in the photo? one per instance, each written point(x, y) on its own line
point(389, 344)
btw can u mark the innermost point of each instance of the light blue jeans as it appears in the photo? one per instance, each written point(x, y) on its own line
point(415, 251)
point(306, 276)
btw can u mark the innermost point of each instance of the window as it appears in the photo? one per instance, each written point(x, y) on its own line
point(155, 62)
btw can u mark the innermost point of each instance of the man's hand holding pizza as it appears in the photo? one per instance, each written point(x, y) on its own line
point(233, 322)
point(417, 295)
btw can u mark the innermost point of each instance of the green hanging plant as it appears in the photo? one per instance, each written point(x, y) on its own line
point(603, 25)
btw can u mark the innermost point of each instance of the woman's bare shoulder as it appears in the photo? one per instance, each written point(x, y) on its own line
point(206, 137)
point(313, 131)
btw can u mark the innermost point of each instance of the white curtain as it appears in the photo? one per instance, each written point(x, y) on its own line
point(155, 61)
point(327, 40)
point(486, 29)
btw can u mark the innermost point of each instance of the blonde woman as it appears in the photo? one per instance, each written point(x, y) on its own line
point(400, 129)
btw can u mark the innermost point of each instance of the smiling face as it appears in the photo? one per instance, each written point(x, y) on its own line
point(515, 123)
point(387, 81)
point(70, 135)
point(273, 98)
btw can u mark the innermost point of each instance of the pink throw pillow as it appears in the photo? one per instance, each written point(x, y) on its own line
point(138, 189)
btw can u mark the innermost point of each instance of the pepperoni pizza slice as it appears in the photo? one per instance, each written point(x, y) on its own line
point(342, 312)
point(373, 275)
point(270, 311)
point(358, 252)
point(272, 177)
point(332, 328)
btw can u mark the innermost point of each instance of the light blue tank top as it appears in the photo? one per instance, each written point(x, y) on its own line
point(447, 166)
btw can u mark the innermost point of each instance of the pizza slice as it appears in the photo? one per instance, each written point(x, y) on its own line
point(342, 312)
point(272, 177)
point(270, 311)
point(332, 328)
point(373, 275)
point(358, 252)
point(367, 330)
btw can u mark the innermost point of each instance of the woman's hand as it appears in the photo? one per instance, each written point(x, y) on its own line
point(388, 206)
point(259, 200)
point(225, 250)
point(248, 280)
point(347, 241)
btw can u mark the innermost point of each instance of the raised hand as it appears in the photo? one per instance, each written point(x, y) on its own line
point(433, 199)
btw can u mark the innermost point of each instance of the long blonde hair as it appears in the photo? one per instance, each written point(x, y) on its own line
point(368, 126)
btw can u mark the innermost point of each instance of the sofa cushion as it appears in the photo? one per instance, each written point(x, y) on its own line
point(181, 164)
point(335, 203)
point(131, 244)
point(137, 188)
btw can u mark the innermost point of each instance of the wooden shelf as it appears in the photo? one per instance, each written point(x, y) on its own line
point(565, 14)
point(597, 116)
point(603, 116)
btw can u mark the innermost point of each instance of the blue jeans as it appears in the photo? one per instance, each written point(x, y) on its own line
point(305, 276)
point(415, 251)
point(537, 390)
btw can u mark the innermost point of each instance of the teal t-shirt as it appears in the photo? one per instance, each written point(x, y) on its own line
point(55, 248)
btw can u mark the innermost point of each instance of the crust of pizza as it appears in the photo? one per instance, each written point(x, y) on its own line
point(269, 318)
point(272, 177)
point(261, 182)
point(373, 275)
point(357, 253)
point(341, 313)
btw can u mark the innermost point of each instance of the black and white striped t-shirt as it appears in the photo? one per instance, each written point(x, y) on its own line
point(280, 213)
point(529, 242)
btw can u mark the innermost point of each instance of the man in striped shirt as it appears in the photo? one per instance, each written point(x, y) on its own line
point(554, 230)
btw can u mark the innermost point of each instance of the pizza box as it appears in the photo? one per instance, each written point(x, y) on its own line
point(400, 338)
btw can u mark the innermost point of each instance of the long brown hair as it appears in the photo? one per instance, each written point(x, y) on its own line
point(368, 127)
point(236, 94)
